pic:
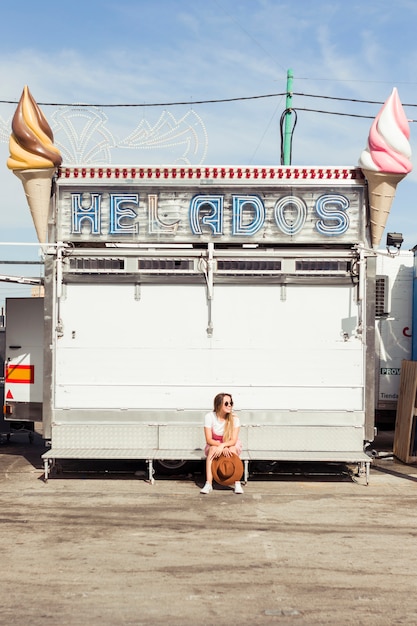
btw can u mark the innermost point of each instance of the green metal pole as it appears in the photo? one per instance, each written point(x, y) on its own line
point(287, 121)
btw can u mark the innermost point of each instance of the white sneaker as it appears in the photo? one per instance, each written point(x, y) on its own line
point(238, 488)
point(207, 488)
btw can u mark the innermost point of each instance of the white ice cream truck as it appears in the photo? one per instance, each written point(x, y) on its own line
point(23, 351)
point(167, 285)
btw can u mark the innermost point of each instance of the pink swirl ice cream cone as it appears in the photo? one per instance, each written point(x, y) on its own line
point(385, 162)
point(34, 159)
point(381, 193)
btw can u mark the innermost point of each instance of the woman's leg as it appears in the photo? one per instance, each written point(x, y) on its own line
point(237, 450)
point(209, 474)
point(209, 460)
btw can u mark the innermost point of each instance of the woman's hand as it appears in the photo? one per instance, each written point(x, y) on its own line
point(220, 450)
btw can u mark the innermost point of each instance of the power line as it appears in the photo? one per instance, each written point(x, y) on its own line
point(210, 101)
point(356, 80)
point(370, 117)
point(151, 104)
point(232, 17)
point(3, 262)
point(264, 133)
point(310, 95)
point(237, 99)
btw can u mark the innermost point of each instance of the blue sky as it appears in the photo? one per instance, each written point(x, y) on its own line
point(162, 51)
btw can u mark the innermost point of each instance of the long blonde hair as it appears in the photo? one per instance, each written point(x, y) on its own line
point(229, 419)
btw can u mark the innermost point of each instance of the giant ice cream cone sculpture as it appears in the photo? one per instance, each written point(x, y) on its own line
point(34, 159)
point(37, 186)
point(385, 162)
point(381, 191)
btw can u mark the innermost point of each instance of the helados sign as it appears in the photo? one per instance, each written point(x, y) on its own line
point(174, 213)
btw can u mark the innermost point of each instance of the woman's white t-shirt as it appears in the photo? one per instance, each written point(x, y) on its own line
point(217, 426)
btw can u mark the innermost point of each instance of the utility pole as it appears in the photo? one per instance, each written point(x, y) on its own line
point(287, 120)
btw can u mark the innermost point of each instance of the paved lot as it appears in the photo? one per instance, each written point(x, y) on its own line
point(104, 547)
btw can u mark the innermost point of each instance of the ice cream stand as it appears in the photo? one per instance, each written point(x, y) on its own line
point(165, 285)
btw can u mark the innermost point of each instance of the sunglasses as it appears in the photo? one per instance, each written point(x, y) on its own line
point(228, 403)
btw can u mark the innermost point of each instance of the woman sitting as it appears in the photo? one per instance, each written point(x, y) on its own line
point(221, 429)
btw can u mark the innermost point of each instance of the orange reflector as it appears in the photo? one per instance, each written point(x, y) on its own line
point(20, 374)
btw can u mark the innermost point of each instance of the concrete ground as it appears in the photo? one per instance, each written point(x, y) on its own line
point(305, 545)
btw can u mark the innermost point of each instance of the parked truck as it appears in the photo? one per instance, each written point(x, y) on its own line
point(394, 327)
point(23, 364)
point(23, 356)
point(164, 286)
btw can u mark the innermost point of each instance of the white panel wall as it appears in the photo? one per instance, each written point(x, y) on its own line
point(274, 348)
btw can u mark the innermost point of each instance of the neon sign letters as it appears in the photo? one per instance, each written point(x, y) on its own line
point(215, 215)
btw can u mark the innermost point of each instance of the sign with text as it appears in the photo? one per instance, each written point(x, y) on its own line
point(252, 213)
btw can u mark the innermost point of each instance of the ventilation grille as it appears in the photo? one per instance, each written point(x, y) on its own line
point(162, 266)
point(248, 266)
point(322, 266)
point(96, 266)
point(381, 296)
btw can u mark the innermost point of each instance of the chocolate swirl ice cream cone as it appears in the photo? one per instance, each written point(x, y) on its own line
point(34, 159)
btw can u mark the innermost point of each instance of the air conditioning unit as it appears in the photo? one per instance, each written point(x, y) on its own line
point(382, 296)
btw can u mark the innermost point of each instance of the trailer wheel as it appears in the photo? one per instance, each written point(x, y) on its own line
point(170, 466)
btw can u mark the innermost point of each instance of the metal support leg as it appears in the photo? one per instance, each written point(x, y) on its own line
point(364, 470)
point(150, 471)
point(246, 470)
point(46, 469)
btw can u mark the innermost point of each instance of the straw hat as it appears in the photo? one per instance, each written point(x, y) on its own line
point(227, 469)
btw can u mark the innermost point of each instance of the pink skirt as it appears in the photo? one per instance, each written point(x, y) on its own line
point(238, 445)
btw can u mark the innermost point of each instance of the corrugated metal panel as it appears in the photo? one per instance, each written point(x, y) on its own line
point(102, 436)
